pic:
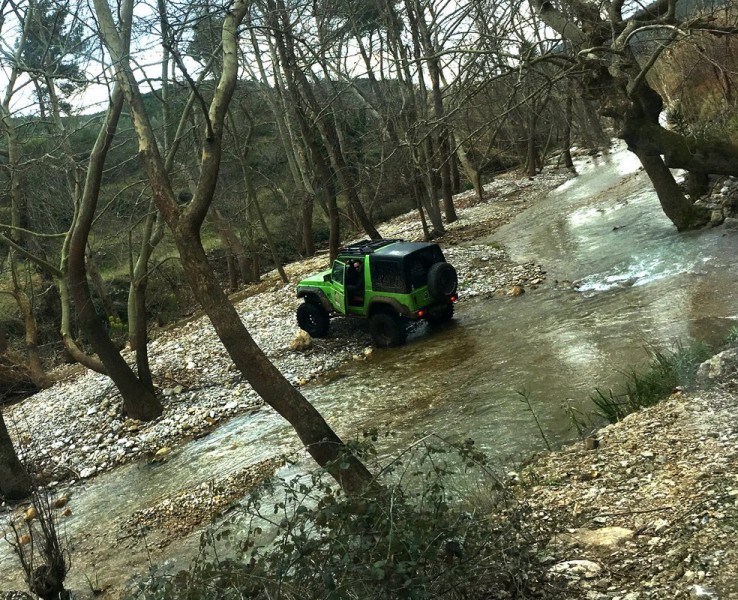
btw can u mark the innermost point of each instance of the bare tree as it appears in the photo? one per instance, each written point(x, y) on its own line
point(615, 51)
point(185, 223)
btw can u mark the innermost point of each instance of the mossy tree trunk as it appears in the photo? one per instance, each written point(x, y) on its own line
point(139, 400)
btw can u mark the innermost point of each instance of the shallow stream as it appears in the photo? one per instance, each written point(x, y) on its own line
point(619, 280)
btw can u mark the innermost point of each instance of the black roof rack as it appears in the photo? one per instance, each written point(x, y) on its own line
point(367, 246)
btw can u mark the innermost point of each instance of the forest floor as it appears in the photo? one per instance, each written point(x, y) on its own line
point(649, 513)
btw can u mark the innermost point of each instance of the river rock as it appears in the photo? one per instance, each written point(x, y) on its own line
point(516, 290)
point(576, 569)
point(719, 366)
point(60, 502)
point(605, 538)
point(301, 342)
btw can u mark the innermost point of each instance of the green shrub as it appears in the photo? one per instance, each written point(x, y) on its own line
point(732, 338)
point(415, 539)
point(666, 371)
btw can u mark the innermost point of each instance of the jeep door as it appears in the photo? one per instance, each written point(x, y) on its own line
point(338, 292)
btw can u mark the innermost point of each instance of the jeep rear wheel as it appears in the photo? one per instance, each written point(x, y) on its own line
point(387, 329)
point(442, 280)
point(313, 318)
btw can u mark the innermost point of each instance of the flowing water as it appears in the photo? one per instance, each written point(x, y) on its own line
point(636, 284)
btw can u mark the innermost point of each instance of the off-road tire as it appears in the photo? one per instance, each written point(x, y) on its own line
point(442, 316)
point(313, 318)
point(442, 281)
point(387, 329)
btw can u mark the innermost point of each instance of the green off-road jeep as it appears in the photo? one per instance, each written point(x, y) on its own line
point(390, 282)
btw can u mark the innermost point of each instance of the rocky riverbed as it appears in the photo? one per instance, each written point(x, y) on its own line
point(76, 429)
point(649, 513)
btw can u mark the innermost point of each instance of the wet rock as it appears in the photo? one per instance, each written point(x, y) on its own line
point(60, 502)
point(703, 593)
point(516, 290)
point(161, 453)
point(87, 472)
point(716, 217)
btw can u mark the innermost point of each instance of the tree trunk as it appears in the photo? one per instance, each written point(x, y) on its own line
point(38, 375)
point(91, 362)
point(568, 118)
point(249, 261)
point(696, 184)
point(641, 131)
point(99, 285)
point(267, 234)
point(417, 192)
point(446, 182)
point(676, 206)
point(428, 193)
point(319, 439)
point(308, 237)
point(139, 401)
point(592, 132)
point(19, 202)
point(226, 235)
point(142, 342)
point(472, 173)
point(531, 161)
point(15, 484)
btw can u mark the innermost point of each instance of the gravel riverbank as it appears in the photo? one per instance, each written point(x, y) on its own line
point(652, 511)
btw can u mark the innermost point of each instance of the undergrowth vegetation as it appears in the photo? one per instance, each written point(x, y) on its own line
point(420, 536)
point(666, 371)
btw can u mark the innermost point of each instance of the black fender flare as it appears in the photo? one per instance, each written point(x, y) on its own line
point(389, 304)
point(316, 295)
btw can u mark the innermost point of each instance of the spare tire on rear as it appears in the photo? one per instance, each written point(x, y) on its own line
point(442, 280)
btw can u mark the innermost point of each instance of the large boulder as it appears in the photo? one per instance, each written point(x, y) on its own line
point(719, 368)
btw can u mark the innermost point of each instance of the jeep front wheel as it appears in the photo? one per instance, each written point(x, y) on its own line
point(313, 318)
point(387, 329)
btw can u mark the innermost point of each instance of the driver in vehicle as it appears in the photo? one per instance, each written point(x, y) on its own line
point(355, 283)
